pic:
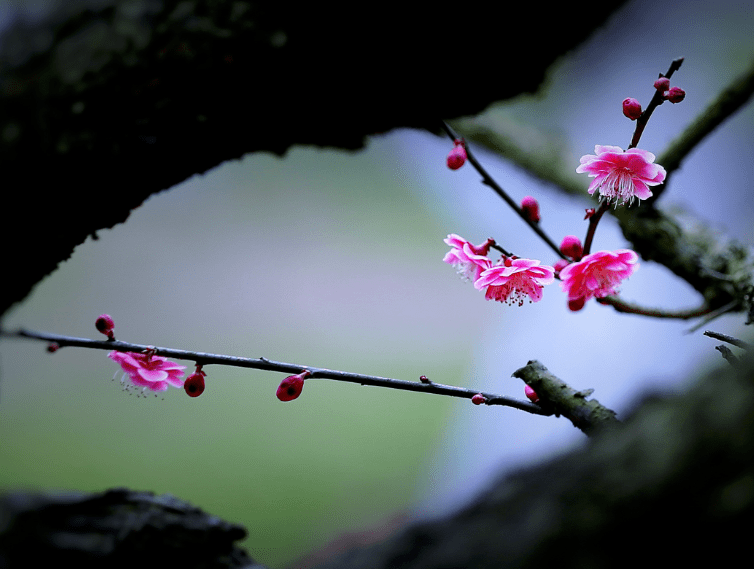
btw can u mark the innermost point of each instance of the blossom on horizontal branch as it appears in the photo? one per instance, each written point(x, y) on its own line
point(621, 176)
point(515, 279)
point(469, 260)
point(149, 371)
point(597, 275)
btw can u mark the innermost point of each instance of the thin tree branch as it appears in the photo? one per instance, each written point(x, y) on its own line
point(623, 306)
point(205, 359)
point(729, 101)
point(657, 100)
point(490, 181)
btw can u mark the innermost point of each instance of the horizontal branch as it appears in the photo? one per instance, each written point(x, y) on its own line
point(205, 359)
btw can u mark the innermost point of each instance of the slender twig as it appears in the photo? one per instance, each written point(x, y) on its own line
point(729, 307)
point(736, 94)
point(729, 339)
point(205, 359)
point(656, 101)
point(593, 221)
point(622, 306)
point(489, 181)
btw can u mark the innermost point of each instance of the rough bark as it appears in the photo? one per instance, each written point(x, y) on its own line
point(119, 529)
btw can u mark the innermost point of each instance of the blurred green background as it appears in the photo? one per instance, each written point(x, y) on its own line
point(333, 259)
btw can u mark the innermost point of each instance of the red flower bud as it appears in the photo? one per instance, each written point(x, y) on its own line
point(478, 399)
point(194, 384)
point(105, 324)
point(290, 388)
point(457, 156)
point(53, 347)
point(559, 265)
point(424, 379)
point(632, 108)
point(531, 394)
point(530, 208)
point(571, 247)
point(675, 95)
point(662, 84)
point(576, 304)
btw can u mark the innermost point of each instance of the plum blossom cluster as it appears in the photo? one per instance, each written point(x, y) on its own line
point(510, 280)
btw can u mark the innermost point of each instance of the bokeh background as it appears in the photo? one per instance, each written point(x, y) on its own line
point(334, 259)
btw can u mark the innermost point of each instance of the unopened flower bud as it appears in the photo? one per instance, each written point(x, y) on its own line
point(675, 95)
point(424, 379)
point(662, 84)
point(531, 394)
point(530, 208)
point(631, 108)
point(478, 399)
point(576, 304)
point(105, 324)
point(457, 156)
point(559, 265)
point(290, 388)
point(194, 384)
point(571, 247)
point(53, 347)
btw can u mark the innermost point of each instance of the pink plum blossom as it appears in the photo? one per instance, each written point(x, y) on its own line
point(621, 176)
point(597, 275)
point(469, 260)
point(514, 280)
point(149, 371)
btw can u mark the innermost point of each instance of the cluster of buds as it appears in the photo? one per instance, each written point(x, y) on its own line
point(672, 94)
point(632, 108)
